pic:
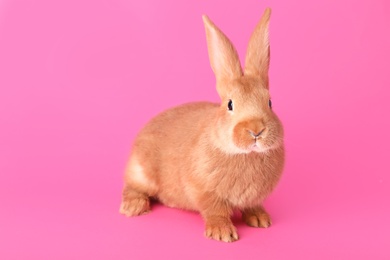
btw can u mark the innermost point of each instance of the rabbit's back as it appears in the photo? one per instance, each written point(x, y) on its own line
point(162, 155)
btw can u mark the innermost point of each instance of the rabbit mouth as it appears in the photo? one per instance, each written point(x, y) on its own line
point(257, 147)
point(262, 147)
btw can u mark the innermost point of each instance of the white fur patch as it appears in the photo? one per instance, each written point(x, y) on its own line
point(137, 175)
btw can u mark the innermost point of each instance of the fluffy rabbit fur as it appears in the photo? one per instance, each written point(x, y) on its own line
point(214, 158)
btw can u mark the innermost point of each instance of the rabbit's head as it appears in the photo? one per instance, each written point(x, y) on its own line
point(245, 121)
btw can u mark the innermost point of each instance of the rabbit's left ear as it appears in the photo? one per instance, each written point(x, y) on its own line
point(258, 52)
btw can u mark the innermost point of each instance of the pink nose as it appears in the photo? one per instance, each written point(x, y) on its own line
point(256, 134)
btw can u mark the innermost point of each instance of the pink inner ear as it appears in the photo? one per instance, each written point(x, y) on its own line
point(222, 54)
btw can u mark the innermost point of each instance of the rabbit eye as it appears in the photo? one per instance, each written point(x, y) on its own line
point(230, 105)
point(270, 103)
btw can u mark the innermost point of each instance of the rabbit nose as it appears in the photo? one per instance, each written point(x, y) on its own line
point(255, 135)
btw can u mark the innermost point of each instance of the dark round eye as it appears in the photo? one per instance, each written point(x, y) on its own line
point(270, 103)
point(230, 105)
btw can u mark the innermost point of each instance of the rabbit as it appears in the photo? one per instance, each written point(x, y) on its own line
point(215, 159)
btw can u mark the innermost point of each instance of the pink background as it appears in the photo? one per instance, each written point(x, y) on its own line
point(78, 79)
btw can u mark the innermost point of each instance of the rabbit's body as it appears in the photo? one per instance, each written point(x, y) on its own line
point(214, 158)
point(179, 165)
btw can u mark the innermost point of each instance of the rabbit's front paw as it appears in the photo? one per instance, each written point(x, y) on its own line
point(257, 218)
point(221, 229)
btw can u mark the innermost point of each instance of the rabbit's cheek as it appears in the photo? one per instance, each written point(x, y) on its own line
point(271, 141)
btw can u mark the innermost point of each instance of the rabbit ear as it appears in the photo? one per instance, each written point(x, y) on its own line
point(258, 52)
point(223, 56)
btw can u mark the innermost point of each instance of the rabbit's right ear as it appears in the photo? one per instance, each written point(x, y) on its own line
point(258, 52)
point(223, 56)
